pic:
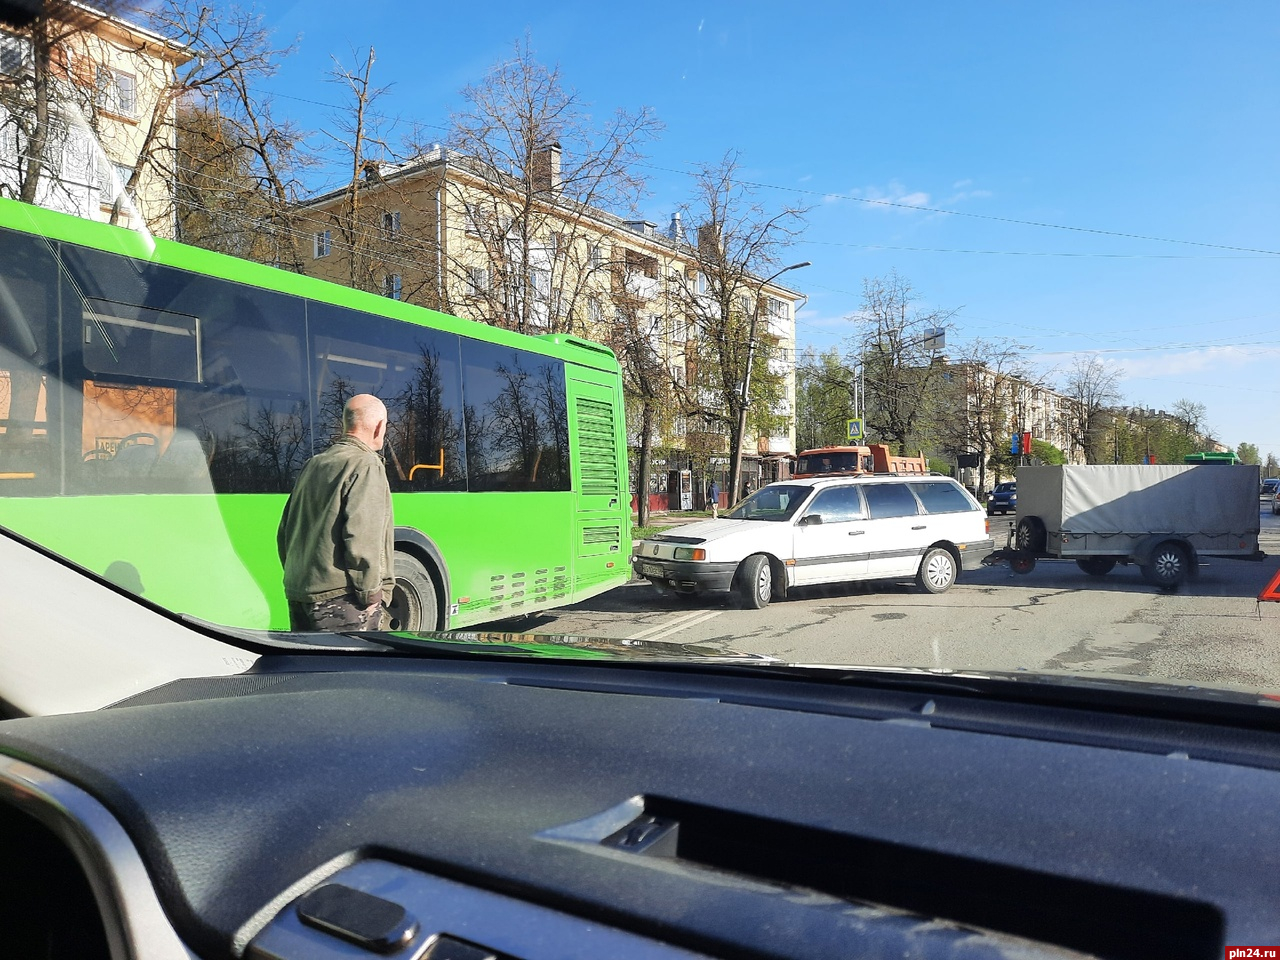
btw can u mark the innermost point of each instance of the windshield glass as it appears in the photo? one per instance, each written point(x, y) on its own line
point(829, 462)
point(775, 502)
point(491, 327)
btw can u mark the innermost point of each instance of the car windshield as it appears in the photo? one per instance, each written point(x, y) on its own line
point(316, 320)
point(777, 502)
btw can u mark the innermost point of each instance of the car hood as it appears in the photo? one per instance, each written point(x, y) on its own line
point(711, 529)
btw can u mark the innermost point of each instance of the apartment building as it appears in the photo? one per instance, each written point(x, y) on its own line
point(448, 232)
point(103, 83)
point(987, 407)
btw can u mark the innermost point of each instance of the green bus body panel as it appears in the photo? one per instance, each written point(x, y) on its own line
point(213, 556)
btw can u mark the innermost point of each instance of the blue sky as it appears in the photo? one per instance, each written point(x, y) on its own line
point(1123, 120)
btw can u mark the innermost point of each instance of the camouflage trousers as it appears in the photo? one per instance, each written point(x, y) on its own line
point(332, 616)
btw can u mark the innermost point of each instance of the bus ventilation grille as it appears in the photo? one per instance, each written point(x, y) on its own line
point(608, 534)
point(597, 448)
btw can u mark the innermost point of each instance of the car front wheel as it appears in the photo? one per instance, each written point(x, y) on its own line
point(937, 571)
point(755, 581)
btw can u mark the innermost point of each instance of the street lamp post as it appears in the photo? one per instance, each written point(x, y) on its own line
point(735, 472)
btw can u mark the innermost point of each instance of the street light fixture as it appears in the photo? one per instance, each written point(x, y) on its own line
point(735, 473)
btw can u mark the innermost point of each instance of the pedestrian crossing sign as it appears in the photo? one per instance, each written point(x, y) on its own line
point(856, 429)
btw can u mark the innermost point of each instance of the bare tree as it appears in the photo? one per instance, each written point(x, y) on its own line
point(534, 168)
point(989, 382)
point(636, 338)
point(359, 135)
point(1093, 388)
point(902, 375)
point(739, 242)
point(235, 166)
point(1191, 419)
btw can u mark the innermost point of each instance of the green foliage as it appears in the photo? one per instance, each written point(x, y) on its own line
point(941, 466)
point(1047, 453)
point(1248, 453)
point(824, 400)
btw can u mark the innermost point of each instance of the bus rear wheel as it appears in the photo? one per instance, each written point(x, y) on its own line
point(413, 603)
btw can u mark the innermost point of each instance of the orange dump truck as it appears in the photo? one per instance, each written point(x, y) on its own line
point(852, 461)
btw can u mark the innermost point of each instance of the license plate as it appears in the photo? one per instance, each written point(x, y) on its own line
point(651, 569)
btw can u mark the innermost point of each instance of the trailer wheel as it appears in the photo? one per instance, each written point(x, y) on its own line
point(1096, 566)
point(1022, 565)
point(1029, 534)
point(1168, 566)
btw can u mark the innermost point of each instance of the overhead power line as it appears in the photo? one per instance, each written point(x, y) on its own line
point(979, 216)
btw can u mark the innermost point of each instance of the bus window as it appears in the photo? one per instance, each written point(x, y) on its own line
point(27, 461)
point(122, 340)
point(414, 370)
point(193, 385)
point(516, 419)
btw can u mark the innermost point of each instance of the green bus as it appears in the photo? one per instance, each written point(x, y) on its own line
point(157, 402)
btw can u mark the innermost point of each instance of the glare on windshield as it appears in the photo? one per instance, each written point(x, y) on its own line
point(776, 502)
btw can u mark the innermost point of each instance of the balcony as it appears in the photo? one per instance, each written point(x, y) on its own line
point(642, 287)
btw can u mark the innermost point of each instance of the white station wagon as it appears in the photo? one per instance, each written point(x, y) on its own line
point(824, 530)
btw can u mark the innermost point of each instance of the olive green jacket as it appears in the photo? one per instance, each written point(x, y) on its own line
point(335, 537)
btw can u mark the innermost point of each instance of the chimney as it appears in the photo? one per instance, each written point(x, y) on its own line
point(544, 168)
point(709, 237)
point(676, 230)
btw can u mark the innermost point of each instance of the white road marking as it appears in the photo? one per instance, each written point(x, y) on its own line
point(682, 622)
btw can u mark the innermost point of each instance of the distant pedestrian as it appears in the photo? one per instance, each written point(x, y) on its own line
point(715, 498)
point(335, 537)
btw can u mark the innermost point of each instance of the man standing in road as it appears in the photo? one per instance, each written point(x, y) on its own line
point(335, 537)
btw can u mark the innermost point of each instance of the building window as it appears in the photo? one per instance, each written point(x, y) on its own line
point(595, 312)
point(15, 53)
point(679, 328)
point(117, 92)
point(477, 281)
point(112, 178)
point(321, 244)
point(391, 286)
point(596, 256)
point(391, 224)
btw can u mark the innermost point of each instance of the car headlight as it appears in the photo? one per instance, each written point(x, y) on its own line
point(690, 553)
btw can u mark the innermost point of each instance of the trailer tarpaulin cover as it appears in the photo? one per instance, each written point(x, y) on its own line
point(1207, 500)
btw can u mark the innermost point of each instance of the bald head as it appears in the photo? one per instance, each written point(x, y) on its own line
point(365, 418)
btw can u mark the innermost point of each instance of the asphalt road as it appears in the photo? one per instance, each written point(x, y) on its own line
point(1211, 631)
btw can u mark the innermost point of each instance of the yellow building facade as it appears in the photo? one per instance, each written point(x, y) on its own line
point(443, 231)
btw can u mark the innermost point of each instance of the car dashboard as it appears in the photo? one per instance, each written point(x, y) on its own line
point(367, 805)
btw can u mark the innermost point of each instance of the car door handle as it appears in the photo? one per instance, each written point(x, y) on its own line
point(856, 533)
point(921, 527)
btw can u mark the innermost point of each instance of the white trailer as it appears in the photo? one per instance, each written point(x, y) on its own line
point(1163, 518)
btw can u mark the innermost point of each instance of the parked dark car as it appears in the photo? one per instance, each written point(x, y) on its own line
point(1003, 499)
